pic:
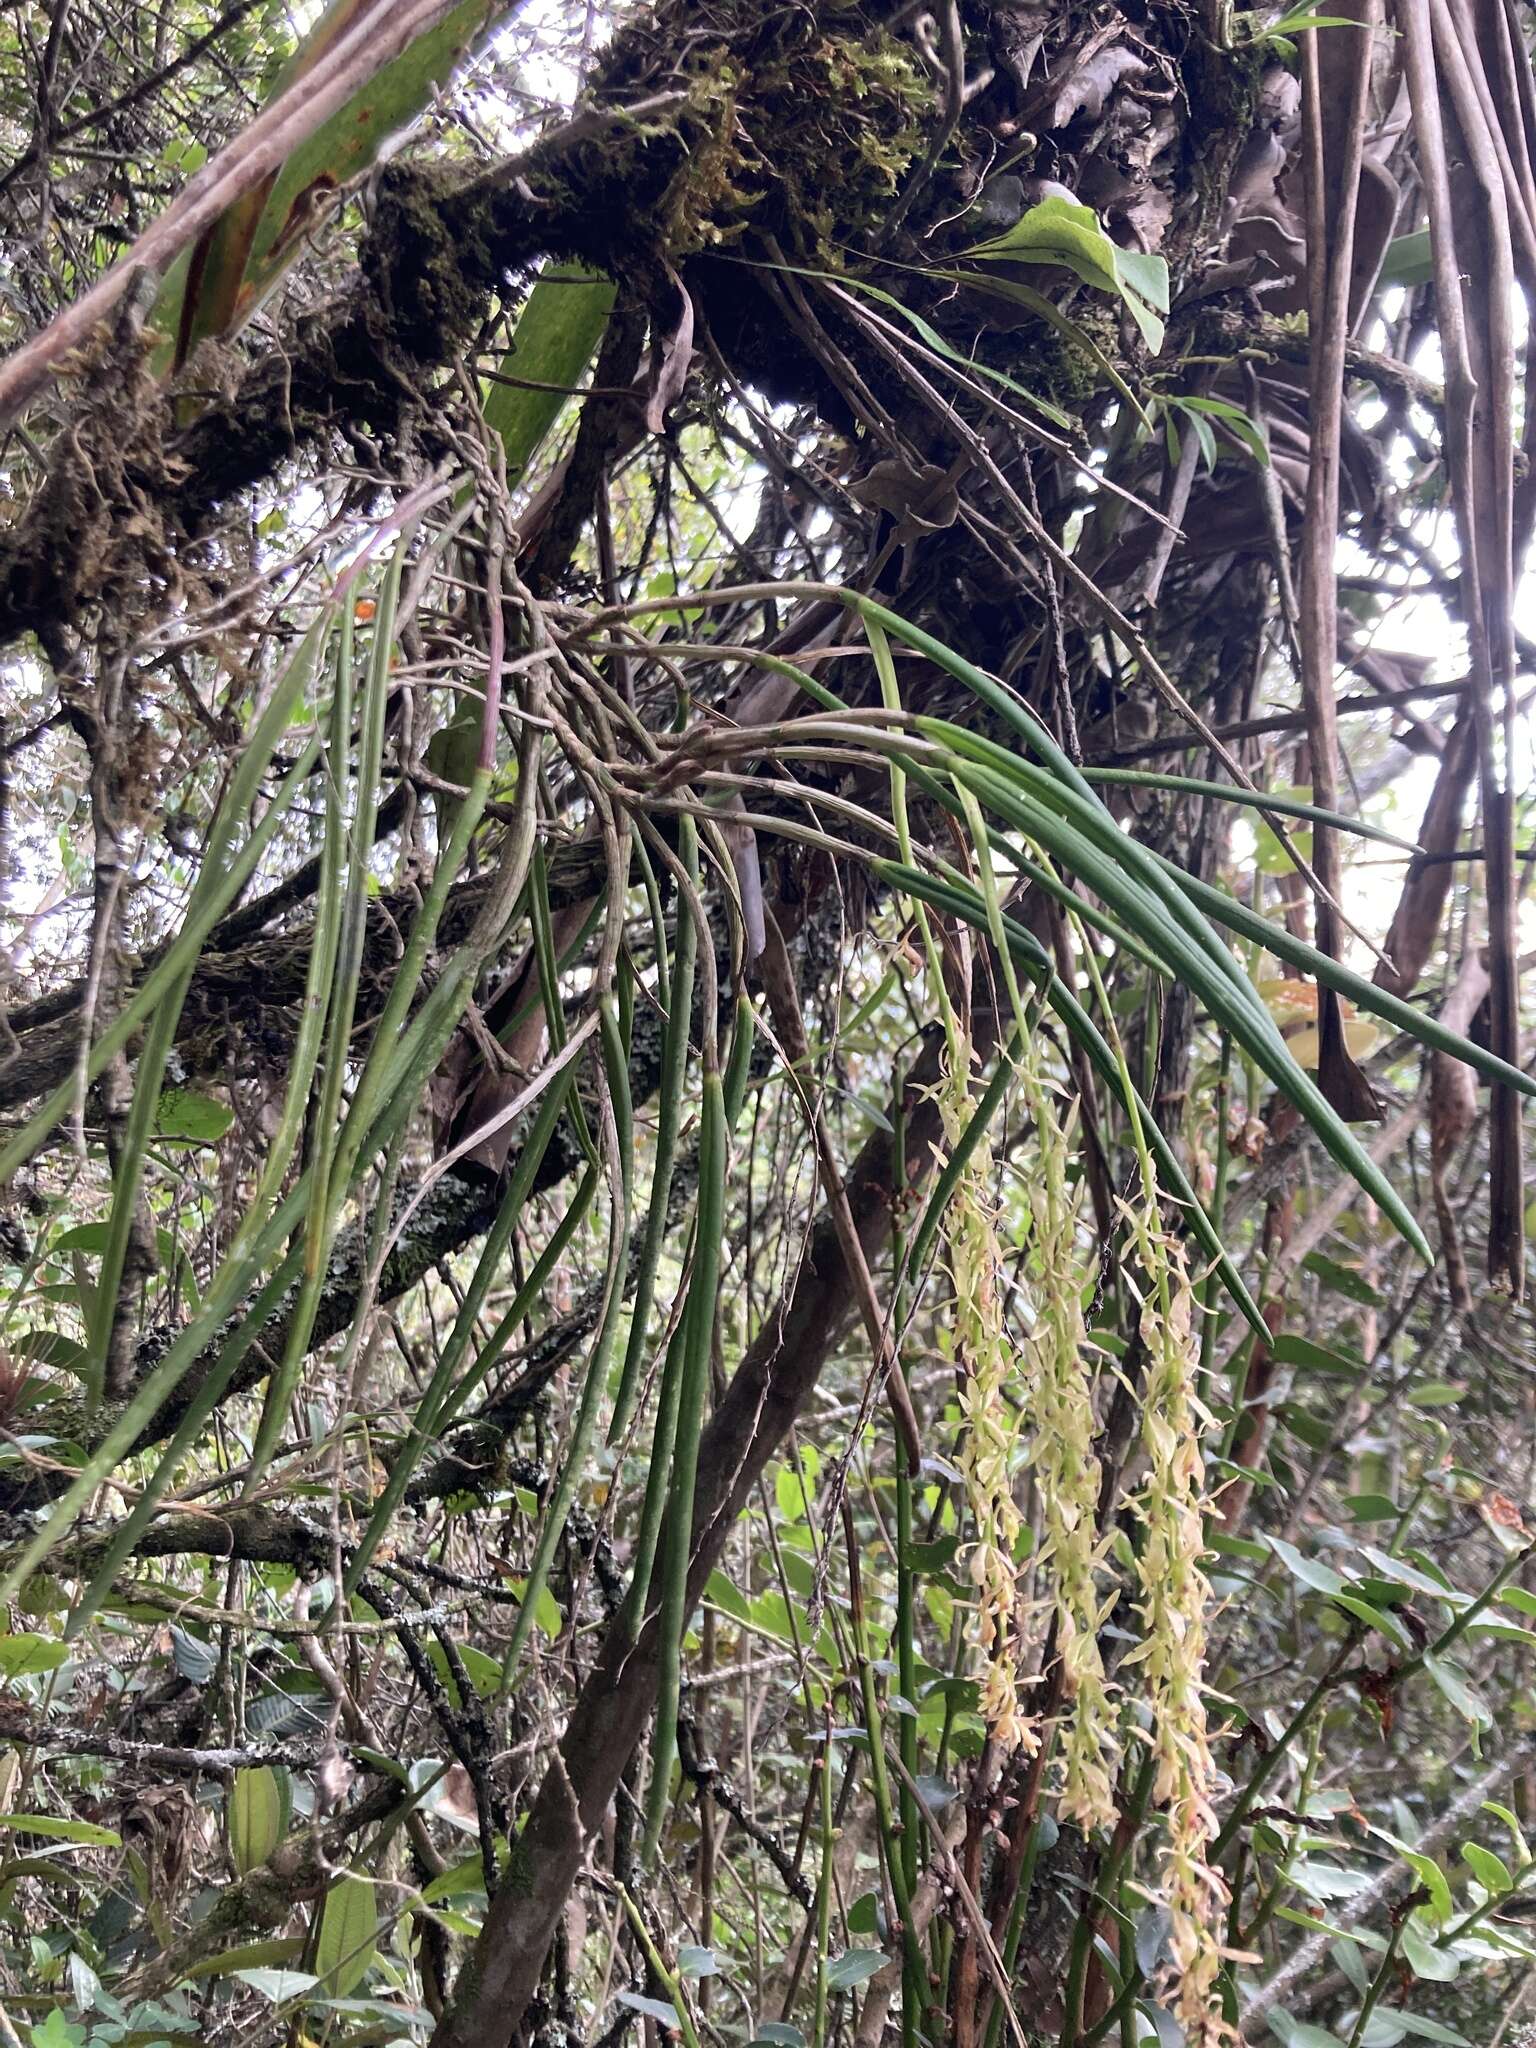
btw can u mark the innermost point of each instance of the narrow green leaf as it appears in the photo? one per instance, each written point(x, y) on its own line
point(58, 1829)
point(961, 902)
point(1254, 799)
point(1365, 995)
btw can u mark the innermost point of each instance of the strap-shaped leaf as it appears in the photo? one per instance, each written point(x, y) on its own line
point(214, 289)
point(1255, 799)
point(1365, 995)
point(555, 338)
point(1133, 882)
point(966, 903)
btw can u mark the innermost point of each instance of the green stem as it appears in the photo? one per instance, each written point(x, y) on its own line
point(697, 1335)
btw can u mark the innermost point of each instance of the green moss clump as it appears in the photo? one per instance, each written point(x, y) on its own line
point(799, 134)
point(430, 282)
point(1224, 88)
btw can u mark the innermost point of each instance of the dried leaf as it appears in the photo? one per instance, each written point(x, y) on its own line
point(671, 361)
point(921, 500)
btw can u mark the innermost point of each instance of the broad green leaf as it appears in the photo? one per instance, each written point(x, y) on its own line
point(719, 1592)
point(23, 1656)
point(1409, 1575)
point(1059, 231)
point(57, 2032)
point(453, 752)
point(865, 1916)
point(1436, 1394)
point(1314, 1430)
point(1491, 1871)
point(1408, 261)
point(1374, 1617)
point(457, 1881)
point(1430, 2030)
point(1320, 1577)
point(1501, 1632)
point(281, 1986)
point(1517, 1833)
point(1452, 1681)
point(854, 1967)
point(795, 1489)
point(1344, 1280)
point(52, 1348)
point(182, 1114)
point(483, 1672)
point(344, 1947)
point(1371, 1507)
point(556, 336)
point(1427, 1961)
point(1327, 1880)
point(1429, 1874)
point(547, 1618)
point(1293, 1350)
point(661, 2010)
point(258, 1815)
point(251, 1955)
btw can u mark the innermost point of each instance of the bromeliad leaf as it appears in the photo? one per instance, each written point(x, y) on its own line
point(216, 287)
